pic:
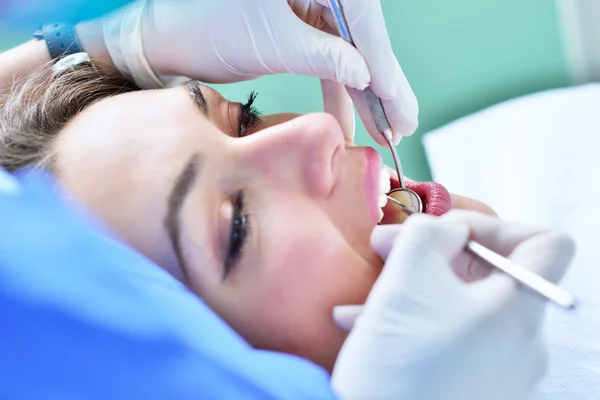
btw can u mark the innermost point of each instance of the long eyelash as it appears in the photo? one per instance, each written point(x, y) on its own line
point(240, 230)
point(250, 115)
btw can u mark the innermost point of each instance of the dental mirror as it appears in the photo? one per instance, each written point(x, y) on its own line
point(409, 198)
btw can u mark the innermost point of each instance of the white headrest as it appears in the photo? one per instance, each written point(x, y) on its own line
point(527, 157)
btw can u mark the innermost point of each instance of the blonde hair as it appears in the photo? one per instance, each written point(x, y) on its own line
point(40, 105)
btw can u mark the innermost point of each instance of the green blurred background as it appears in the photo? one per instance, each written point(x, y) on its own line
point(459, 56)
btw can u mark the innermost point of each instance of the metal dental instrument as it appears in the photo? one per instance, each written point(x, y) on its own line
point(525, 277)
point(540, 285)
point(376, 108)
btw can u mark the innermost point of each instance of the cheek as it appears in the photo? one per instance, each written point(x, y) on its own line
point(307, 269)
point(307, 254)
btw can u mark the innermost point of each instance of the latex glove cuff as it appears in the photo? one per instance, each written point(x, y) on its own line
point(123, 39)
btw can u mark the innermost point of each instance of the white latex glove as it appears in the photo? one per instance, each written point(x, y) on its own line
point(234, 40)
point(425, 334)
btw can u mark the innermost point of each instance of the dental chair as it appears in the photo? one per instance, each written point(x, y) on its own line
point(535, 159)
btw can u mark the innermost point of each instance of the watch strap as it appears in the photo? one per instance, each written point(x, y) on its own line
point(60, 39)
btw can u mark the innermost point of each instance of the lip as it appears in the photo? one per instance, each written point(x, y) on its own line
point(436, 198)
point(373, 166)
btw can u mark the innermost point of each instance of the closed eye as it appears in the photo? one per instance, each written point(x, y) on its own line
point(239, 231)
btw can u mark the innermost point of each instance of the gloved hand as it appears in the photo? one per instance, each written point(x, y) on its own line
point(235, 40)
point(442, 338)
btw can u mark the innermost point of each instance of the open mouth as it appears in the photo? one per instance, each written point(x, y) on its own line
point(436, 199)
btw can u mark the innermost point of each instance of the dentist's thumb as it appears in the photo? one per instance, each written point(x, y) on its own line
point(345, 316)
point(417, 257)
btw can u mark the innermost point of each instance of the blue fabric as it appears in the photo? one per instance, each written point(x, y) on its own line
point(28, 12)
point(84, 317)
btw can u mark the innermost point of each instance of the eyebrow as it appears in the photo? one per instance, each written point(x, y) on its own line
point(195, 91)
point(182, 187)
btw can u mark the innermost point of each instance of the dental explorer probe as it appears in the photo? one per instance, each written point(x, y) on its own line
point(540, 285)
point(375, 106)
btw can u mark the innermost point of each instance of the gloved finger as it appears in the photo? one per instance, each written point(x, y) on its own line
point(470, 268)
point(399, 116)
point(466, 267)
point(420, 260)
point(345, 316)
point(402, 110)
point(358, 98)
point(383, 238)
point(368, 28)
point(328, 16)
point(337, 103)
point(326, 56)
point(547, 254)
point(492, 232)
point(387, 79)
point(422, 232)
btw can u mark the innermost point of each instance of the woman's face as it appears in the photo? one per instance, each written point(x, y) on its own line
point(268, 220)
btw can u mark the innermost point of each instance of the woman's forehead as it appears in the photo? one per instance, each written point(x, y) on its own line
point(121, 156)
point(133, 145)
point(137, 122)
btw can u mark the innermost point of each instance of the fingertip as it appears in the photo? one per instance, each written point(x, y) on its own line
point(449, 236)
point(378, 138)
point(388, 79)
point(359, 76)
point(460, 230)
point(566, 242)
point(350, 68)
point(383, 238)
point(345, 316)
point(403, 114)
point(358, 98)
point(555, 252)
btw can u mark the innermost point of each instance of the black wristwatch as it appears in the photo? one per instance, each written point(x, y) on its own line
point(60, 39)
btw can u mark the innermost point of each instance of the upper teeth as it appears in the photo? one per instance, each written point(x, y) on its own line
point(384, 186)
point(384, 189)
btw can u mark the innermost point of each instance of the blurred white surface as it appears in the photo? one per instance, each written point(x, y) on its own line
point(536, 160)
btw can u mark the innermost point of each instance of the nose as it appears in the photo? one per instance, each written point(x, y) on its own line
point(270, 120)
point(300, 153)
